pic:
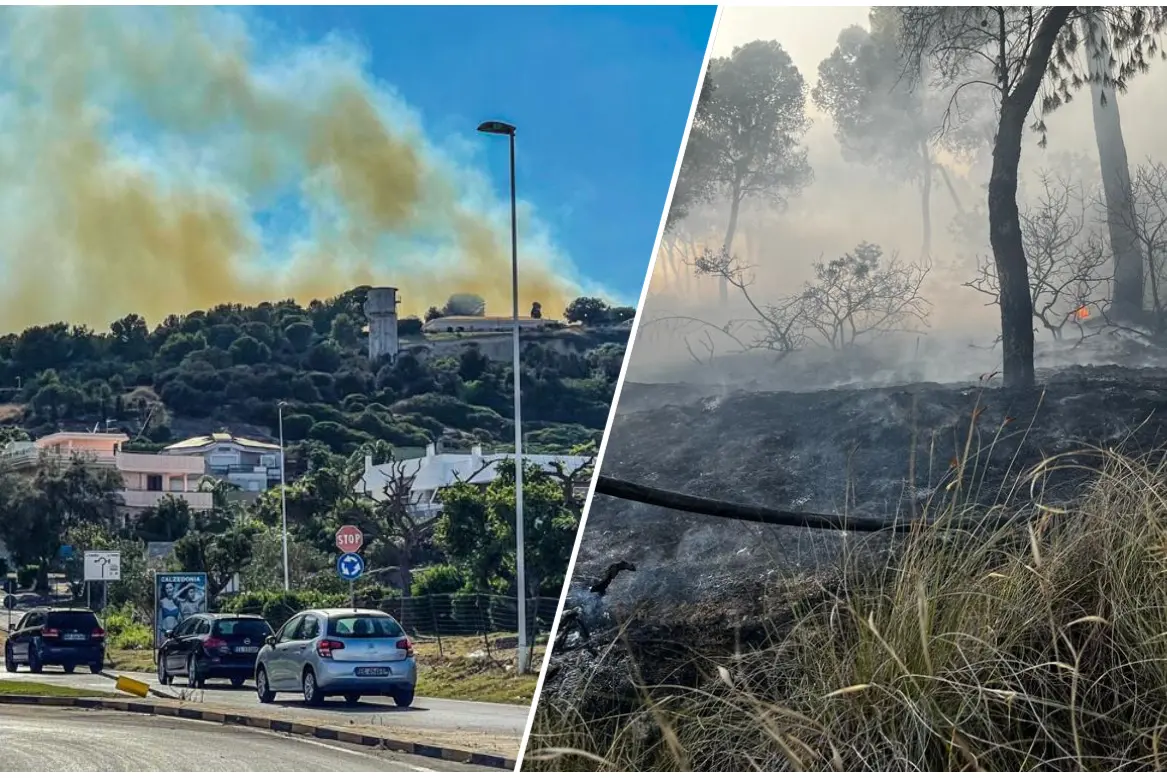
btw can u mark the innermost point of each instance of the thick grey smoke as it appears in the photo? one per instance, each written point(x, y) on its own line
point(850, 202)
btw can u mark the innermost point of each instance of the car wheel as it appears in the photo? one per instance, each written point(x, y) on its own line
point(262, 689)
point(96, 668)
point(312, 694)
point(34, 660)
point(10, 665)
point(403, 699)
point(352, 699)
point(237, 683)
point(163, 676)
point(69, 668)
point(192, 675)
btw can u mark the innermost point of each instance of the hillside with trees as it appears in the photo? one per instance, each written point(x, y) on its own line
point(230, 367)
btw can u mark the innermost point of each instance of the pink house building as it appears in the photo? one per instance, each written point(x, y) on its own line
point(147, 478)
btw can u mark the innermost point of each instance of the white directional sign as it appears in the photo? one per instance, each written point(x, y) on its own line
point(103, 566)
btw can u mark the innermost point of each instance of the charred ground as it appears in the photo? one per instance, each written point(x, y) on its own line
point(706, 587)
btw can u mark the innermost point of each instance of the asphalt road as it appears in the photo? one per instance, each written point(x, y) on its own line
point(54, 740)
point(477, 725)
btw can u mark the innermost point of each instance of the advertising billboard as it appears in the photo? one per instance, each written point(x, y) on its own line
point(177, 596)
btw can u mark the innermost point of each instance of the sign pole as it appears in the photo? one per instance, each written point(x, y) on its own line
point(349, 566)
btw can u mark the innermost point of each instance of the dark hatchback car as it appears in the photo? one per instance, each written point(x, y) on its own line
point(212, 645)
point(56, 637)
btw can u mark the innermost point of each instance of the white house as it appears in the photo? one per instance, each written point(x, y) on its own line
point(484, 324)
point(251, 465)
point(434, 471)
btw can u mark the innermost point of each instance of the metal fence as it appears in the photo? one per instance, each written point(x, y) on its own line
point(436, 616)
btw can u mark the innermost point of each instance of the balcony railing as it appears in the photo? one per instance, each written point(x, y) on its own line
point(273, 471)
point(134, 498)
point(425, 510)
point(27, 457)
point(160, 465)
point(31, 457)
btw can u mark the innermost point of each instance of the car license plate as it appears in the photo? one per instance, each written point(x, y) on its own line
point(366, 672)
point(246, 649)
point(73, 636)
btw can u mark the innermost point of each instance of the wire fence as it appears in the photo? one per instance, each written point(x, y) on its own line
point(435, 616)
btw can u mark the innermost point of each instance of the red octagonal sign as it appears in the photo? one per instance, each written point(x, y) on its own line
point(349, 539)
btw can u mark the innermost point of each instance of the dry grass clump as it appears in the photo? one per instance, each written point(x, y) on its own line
point(1038, 645)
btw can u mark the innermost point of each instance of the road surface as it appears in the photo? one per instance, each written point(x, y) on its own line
point(485, 727)
point(34, 739)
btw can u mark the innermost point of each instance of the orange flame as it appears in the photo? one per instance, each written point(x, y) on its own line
point(1082, 313)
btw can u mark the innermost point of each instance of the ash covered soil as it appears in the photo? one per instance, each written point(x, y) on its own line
point(711, 586)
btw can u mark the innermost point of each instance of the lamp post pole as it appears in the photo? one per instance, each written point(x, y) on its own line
point(522, 664)
point(284, 499)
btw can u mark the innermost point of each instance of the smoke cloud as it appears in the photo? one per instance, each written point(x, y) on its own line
point(162, 160)
point(849, 202)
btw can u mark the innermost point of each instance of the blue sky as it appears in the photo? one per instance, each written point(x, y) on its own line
point(600, 96)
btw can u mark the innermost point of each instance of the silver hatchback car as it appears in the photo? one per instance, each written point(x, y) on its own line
point(335, 652)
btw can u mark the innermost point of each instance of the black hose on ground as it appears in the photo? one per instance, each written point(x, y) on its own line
point(663, 498)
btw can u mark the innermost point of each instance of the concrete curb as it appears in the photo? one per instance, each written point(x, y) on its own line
point(264, 722)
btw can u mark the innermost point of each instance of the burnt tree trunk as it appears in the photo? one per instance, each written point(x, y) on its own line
point(1009, 252)
point(1004, 219)
point(1127, 296)
point(735, 204)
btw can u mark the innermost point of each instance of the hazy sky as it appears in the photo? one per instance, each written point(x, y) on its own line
point(849, 202)
point(807, 34)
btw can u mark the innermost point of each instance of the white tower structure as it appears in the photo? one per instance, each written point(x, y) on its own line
point(381, 311)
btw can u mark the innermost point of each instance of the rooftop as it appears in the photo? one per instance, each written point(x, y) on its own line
point(489, 319)
point(203, 441)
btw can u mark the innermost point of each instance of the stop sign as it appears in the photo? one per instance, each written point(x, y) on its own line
point(349, 539)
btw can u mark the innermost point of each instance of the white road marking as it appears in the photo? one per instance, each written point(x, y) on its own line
point(342, 749)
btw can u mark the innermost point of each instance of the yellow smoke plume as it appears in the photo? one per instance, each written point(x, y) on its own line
point(101, 218)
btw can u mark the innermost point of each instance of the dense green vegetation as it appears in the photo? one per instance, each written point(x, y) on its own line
point(230, 366)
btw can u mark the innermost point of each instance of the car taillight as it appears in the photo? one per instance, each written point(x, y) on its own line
point(405, 646)
point(215, 644)
point(97, 634)
point(325, 648)
point(50, 632)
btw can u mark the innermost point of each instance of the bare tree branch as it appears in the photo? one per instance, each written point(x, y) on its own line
point(1068, 259)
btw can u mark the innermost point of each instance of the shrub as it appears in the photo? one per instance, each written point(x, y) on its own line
point(124, 631)
point(439, 579)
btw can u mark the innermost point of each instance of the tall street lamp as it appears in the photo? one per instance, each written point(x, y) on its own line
point(501, 128)
point(283, 497)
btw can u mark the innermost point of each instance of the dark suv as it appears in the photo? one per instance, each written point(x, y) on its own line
point(59, 637)
point(212, 645)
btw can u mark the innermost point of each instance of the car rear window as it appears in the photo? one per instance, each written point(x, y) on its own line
point(365, 627)
point(248, 628)
point(72, 620)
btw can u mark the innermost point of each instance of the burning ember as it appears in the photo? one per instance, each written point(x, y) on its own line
point(1083, 312)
